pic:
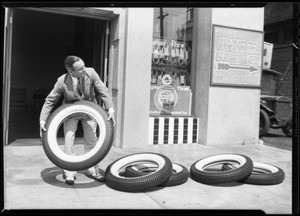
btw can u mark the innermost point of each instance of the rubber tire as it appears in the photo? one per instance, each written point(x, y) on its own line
point(288, 129)
point(140, 183)
point(264, 123)
point(180, 173)
point(218, 177)
point(276, 176)
point(54, 121)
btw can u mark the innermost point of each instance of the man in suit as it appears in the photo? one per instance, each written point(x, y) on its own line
point(79, 83)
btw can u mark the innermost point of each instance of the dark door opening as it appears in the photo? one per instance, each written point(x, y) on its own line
point(40, 43)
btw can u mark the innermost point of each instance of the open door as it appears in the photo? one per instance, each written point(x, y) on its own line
point(24, 93)
point(6, 72)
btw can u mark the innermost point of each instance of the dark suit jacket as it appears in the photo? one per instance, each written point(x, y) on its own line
point(64, 86)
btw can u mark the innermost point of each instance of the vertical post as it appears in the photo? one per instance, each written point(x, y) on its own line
point(6, 72)
point(136, 78)
point(161, 19)
point(106, 53)
point(200, 76)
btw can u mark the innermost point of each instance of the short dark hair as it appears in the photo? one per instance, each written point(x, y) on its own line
point(70, 60)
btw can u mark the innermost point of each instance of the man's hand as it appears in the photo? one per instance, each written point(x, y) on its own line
point(111, 115)
point(42, 128)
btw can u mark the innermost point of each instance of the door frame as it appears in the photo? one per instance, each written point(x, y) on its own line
point(93, 13)
point(7, 45)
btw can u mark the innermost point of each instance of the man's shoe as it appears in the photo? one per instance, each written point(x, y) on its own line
point(98, 177)
point(64, 176)
point(70, 180)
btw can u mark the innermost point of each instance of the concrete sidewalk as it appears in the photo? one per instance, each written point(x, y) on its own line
point(31, 181)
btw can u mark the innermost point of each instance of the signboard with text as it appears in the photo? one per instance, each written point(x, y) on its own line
point(180, 98)
point(267, 55)
point(236, 57)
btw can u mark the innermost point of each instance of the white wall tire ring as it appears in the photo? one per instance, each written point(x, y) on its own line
point(139, 183)
point(85, 161)
point(199, 171)
point(262, 174)
point(180, 173)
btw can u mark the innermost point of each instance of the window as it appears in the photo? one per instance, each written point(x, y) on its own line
point(171, 60)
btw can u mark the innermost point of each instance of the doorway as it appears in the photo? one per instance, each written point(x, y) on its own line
point(40, 43)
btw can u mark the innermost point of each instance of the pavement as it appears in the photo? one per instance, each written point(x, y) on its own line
point(32, 181)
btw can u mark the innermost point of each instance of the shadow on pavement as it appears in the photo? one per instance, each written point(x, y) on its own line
point(54, 176)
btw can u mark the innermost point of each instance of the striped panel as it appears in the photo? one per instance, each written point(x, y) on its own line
point(161, 131)
point(173, 130)
point(155, 131)
point(151, 130)
point(166, 131)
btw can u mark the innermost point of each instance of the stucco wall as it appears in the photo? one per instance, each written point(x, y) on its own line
point(247, 18)
point(233, 113)
point(135, 47)
point(233, 116)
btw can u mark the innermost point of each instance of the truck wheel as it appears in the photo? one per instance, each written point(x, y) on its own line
point(79, 162)
point(179, 175)
point(115, 180)
point(264, 123)
point(288, 129)
point(262, 174)
point(201, 169)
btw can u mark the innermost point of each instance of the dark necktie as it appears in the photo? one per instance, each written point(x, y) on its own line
point(79, 87)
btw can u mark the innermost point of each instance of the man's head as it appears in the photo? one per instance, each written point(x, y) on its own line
point(75, 66)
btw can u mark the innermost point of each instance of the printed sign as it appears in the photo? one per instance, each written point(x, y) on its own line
point(267, 55)
point(165, 98)
point(236, 57)
point(175, 100)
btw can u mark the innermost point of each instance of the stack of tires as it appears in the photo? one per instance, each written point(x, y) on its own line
point(235, 167)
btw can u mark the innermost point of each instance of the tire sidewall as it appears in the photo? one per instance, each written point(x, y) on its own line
point(62, 160)
point(218, 177)
point(264, 120)
point(288, 129)
point(179, 175)
point(140, 183)
point(274, 174)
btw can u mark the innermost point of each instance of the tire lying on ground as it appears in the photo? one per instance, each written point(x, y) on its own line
point(199, 169)
point(179, 175)
point(262, 174)
point(85, 161)
point(115, 180)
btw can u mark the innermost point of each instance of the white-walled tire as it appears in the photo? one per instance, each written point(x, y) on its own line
point(262, 174)
point(85, 161)
point(141, 183)
point(180, 173)
point(199, 173)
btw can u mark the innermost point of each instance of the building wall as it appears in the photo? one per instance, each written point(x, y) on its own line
point(279, 31)
point(282, 62)
point(132, 44)
point(233, 113)
point(278, 11)
point(225, 118)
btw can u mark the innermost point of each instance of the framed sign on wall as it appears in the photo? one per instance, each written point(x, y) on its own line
point(236, 57)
